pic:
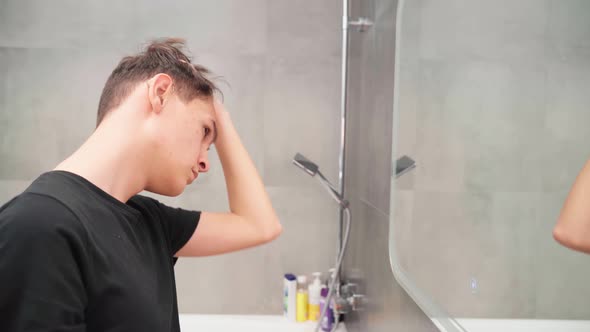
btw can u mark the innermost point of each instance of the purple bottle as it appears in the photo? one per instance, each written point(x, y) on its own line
point(328, 320)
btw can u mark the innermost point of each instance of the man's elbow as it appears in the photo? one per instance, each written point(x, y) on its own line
point(272, 232)
point(560, 235)
point(570, 238)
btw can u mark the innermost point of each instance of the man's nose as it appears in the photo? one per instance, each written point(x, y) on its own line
point(203, 163)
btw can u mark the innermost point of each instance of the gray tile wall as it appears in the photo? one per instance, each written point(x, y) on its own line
point(368, 167)
point(493, 106)
point(281, 59)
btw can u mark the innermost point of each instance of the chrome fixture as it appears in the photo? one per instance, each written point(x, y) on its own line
point(362, 23)
point(312, 169)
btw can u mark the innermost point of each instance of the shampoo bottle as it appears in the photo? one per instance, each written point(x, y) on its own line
point(315, 289)
point(302, 298)
point(290, 297)
point(328, 320)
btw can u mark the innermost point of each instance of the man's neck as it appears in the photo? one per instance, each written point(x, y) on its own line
point(111, 162)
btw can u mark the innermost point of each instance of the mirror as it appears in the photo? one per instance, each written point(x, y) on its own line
point(492, 103)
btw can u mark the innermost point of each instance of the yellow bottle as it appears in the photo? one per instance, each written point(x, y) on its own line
point(315, 289)
point(302, 299)
point(314, 312)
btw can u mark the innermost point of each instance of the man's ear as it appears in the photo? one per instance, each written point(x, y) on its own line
point(159, 90)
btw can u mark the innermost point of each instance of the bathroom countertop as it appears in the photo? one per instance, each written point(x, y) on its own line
point(244, 323)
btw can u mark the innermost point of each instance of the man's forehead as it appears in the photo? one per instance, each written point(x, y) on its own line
point(204, 107)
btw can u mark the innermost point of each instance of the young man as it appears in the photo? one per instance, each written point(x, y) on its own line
point(573, 227)
point(81, 251)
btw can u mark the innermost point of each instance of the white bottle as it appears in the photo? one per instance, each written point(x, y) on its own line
point(290, 297)
point(315, 289)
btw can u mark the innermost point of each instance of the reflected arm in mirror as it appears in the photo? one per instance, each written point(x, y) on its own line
point(573, 227)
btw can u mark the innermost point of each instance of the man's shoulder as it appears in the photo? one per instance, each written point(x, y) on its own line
point(145, 203)
point(33, 212)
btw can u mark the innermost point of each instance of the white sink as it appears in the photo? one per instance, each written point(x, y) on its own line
point(244, 323)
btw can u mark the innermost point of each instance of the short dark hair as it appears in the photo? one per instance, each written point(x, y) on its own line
point(160, 56)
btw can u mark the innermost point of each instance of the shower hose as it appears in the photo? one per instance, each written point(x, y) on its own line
point(335, 273)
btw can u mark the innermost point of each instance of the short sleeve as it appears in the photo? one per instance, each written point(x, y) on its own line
point(178, 224)
point(41, 247)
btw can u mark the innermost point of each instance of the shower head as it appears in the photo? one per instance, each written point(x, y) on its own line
point(305, 164)
point(312, 169)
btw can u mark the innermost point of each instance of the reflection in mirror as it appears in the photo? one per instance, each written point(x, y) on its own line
point(403, 165)
point(491, 102)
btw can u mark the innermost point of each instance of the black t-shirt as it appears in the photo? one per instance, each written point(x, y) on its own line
point(73, 258)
